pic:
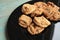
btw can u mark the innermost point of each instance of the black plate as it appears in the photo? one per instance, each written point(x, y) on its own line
point(15, 32)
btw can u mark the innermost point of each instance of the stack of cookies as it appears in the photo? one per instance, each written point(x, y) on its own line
point(39, 15)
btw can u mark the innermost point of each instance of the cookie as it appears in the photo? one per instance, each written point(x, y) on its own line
point(25, 21)
point(41, 21)
point(28, 8)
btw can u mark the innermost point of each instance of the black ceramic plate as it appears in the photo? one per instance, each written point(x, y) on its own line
point(16, 32)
